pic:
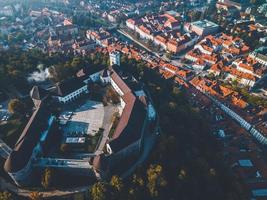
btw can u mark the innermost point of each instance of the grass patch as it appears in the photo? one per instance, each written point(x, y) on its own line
point(115, 122)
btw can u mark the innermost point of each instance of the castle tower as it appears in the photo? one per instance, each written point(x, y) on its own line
point(115, 58)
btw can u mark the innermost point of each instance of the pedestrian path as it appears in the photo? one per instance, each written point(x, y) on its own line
point(5, 150)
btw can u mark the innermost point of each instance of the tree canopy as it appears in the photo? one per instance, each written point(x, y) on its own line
point(16, 106)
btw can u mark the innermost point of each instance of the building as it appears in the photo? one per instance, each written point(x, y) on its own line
point(137, 117)
point(130, 23)
point(241, 4)
point(213, 49)
point(115, 58)
point(105, 76)
point(7, 11)
point(66, 30)
point(260, 55)
point(181, 42)
point(69, 90)
point(145, 32)
point(33, 140)
point(135, 112)
point(204, 27)
point(101, 37)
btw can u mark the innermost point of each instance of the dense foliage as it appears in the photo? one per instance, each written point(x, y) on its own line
point(16, 65)
point(187, 162)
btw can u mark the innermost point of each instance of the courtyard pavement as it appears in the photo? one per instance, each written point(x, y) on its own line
point(86, 119)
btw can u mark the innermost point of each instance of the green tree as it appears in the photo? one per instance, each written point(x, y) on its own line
point(47, 178)
point(156, 180)
point(112, 96)
point(169, 55)
point(36, 196)
point(116, 183)
point(182, 174)
point(15, 106)
point(99, 191)
point(64, 148)
point(194, 15)
point(6, 196)
point(117, 187)
point(137, 190)
point(76, 63)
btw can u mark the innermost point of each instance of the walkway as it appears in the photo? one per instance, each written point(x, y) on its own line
point(62, 163)
point(5, 185)
point(5, 150)
point(148, 141)
point(109, 112)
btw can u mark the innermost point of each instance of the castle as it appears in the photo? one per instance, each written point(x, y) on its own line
point(137, 118)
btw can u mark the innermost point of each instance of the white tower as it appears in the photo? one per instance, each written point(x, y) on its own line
point(115, 58)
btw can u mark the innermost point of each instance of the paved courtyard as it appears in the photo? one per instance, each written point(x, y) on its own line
point(85, 119)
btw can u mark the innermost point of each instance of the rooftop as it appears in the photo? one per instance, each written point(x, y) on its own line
point(205, 24)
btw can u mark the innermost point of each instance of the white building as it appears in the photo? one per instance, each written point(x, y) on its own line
point(115, 58)
point(204, 27)
point(70, 90)
point(130, 23)
point(260, 55)
point(105, 76)
point(7, 11)
point(241, 80)
point(205, 51)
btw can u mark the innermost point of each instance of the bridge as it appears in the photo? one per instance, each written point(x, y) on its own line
point(61, 163)
point(5, 150)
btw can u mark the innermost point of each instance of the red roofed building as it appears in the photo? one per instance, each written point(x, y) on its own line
point(184, 74)
point(131, 23)
point(145, 32)
point(160, 40)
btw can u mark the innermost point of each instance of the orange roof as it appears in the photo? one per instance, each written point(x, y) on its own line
point(211, 87)
point(207, 47)
point(245, 66)
point(196, 81)
point(216, 67)
point(208, 58)
point(131, 21)
point(184, 73)
point(239, 102)
point(225, 91)
point(170, 67)
point(200, 61)
point(181, 82)
point(161, 39)
point(228, 43)
point(245, 49)
point(239, 74)
point(172, 42)
point(144, 29)
point(168, 75)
